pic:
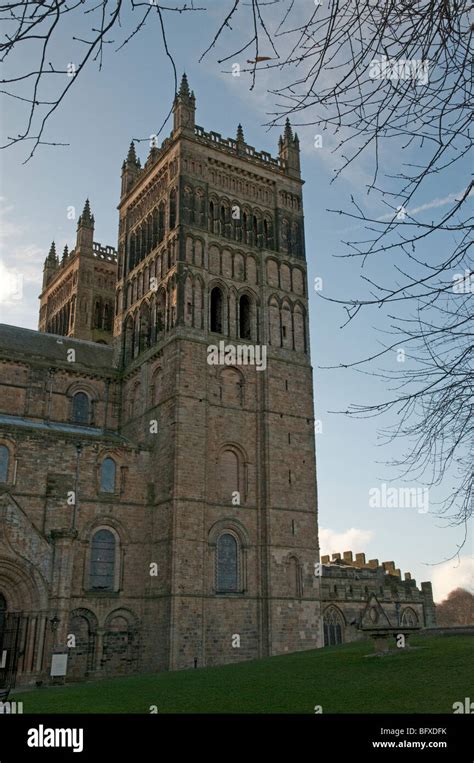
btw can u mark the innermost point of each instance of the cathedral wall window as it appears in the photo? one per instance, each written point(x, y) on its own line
point(81, 408)
point(104, 561)
point(333, 623)
point(4, 463)
point(108, 472)
point(217, 311)
point(245, 323)
point(172, 209)
point(227, 564)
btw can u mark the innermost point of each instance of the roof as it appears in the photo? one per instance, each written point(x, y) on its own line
point(15, 341)
point(58, 428)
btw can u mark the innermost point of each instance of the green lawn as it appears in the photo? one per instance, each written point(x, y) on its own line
point(341, 679)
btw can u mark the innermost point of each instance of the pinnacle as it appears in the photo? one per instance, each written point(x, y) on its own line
point(132, 156)
point(240, 133)
point(184, 87)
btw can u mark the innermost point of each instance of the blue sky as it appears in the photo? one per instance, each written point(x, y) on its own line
point(129, 98)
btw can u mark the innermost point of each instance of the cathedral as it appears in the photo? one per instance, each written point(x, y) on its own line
point(158, 511)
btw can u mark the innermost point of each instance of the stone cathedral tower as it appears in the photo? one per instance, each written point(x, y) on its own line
point(211, 253)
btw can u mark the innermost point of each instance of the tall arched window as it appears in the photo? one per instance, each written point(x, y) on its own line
point(107, 475)
point(161, 222)
point(245, 331)
point(216, 310)
point(81, 408)
point(102, 571)
point(98, 314)
point(4, 459)
point(227, 564)
point(211, 216)
point(332, 627)
point(172, 209)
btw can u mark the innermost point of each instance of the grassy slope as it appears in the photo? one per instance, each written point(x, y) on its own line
point(341, 679)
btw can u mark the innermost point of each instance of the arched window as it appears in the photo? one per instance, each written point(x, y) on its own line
point(227, 564)
point(102, 571)
point(98, 314)
point(172, 209)
point(107, 317)
point(332, 627)
point(228, 474)
point(216, 310)
point(161, 222)
point(409, 618)
point(222, 220)
point(245, 331)
point(211, 216)
point(255, 230)
point(4, 459)
point(244, 228)
point(107, 475)
point(81, 408)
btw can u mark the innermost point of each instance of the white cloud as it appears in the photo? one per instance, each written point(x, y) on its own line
point(433, 204)
point(453, 574)
point(355, 540)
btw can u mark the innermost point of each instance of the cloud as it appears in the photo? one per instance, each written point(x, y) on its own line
point(434, 203)
point(451, 575)
point(355, 540)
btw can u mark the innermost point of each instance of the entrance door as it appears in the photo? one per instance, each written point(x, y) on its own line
point(10, 626)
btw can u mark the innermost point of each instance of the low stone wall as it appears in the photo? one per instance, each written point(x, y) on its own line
point(449, 630)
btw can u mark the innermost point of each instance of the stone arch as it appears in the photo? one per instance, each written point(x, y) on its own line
point(274, 327)
point(294, 576)
point(298, 281)
point(83, 626)
point(199, 292)
point(188, 301)
point(286, 325)
point(272, 268)
point(409, 617)
point(231, 473)
point(121, 642)
point(217, 308)
point(251, 272)
point(23, 586)
point(285, 277)
point(299, 325)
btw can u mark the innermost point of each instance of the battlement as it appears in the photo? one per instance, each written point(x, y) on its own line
point(108, 253)
point(238, 148)
point(360, 567)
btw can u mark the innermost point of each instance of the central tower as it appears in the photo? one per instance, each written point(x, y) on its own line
point(211, 255)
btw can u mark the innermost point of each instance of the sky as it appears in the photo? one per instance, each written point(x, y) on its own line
point(130, 97)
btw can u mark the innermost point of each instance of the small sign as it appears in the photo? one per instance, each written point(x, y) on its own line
point(59, 665)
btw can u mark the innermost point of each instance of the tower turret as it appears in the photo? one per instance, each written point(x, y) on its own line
point(289, 151)
point(51, 264)
point(130, 169)
point(184, 108)
point(85, 230)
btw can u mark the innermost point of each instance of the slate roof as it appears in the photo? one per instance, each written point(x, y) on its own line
point(15, 341)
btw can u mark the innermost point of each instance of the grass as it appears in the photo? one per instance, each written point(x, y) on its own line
point(342, 679)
